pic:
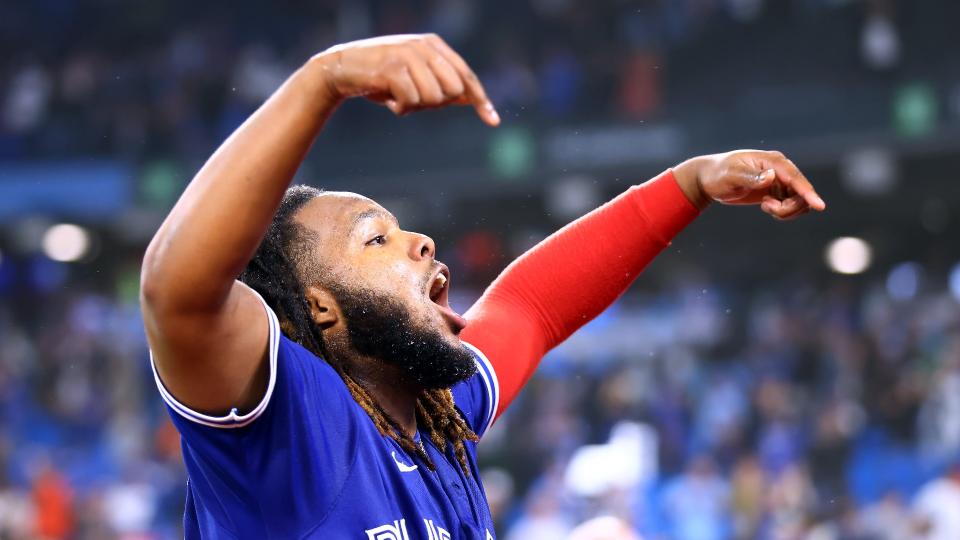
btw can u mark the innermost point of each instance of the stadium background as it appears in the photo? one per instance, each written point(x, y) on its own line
point(761, 380)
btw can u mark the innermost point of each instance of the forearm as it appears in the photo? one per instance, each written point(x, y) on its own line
point(217, 224)
point(572, 276)
point(577, 272)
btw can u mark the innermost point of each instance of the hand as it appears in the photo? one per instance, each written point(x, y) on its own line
point(405, 73)
point(749, 177)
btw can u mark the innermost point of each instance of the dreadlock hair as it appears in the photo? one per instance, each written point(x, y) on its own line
point(276, 272)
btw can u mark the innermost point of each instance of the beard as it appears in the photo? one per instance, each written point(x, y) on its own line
point(382, 327)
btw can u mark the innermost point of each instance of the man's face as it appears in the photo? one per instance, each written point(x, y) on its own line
point(391, 291)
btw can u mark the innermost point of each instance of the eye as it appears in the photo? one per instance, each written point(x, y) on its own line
point(378, 240)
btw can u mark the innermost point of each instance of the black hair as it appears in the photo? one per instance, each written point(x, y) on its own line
point(277, 270)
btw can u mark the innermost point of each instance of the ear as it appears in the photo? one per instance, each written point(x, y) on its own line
point(324, 309)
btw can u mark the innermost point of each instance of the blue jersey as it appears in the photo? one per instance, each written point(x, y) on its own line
point(308, 463)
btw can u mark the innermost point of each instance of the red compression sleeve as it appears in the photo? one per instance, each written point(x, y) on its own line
point(569, 278)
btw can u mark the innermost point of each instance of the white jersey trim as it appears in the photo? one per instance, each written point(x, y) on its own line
point(233, 419)
point(489, 377)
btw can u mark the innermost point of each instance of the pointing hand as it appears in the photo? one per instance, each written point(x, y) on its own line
point(406, 73)
point(746, 177)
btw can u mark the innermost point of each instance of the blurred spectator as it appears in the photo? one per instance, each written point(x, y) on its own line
point(696, 504)
point(603, 528)
point(791, 501)
point(180, 88)
point(27, 98)
point(53, 504)
point(542, 519)
point(935, 508)
point(748, 497)
point(887, 519)
point(16, 508)
point(940, 413)
point(640, 86)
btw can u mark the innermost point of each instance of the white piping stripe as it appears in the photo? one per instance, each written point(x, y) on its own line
point(231, 420)
point(482, 370)
point(485, 376)
point(489, 376)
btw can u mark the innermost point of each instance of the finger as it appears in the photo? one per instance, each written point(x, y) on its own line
point(431, 95)
point(786, 209)
point(759, 181)
point(769, 205)
point(473, 90)
point(790, 175)
point(764, 178)
point(406, 97)
point(450, 81)
point(743, 185)
point(795, 215)
point(751, 180)
point(792, 207)
point(779, 191)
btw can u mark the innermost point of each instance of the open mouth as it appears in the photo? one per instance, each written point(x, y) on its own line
point(438, 286)
point(439, 295)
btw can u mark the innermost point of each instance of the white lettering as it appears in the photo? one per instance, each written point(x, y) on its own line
point(395, 531)
point(434, 532)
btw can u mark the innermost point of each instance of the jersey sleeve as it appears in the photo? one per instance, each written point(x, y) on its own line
point(296, 445)
point(233, 419)
point(478, 397)
point(565, 281)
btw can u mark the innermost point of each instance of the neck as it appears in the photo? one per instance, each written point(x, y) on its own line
point(387, 387)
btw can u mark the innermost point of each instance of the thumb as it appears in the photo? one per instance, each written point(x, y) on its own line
point(763, 179)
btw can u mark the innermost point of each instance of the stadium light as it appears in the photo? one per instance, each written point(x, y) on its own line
point(66, 242)
point(848, 255)
point(955, 281)
point(904, 281)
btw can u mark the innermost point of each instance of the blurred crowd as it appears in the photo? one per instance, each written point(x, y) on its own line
point(791, 411)
point(119, 79)
point(690, 411)
point(696, 408)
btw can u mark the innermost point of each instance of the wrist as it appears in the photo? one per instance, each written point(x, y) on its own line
point(321, 73)
point(688, 177)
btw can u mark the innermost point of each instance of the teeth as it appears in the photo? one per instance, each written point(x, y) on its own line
point(439, 283)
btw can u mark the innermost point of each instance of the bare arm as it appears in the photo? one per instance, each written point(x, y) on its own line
point(208, 332)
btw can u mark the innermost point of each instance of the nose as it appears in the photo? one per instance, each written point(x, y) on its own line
point(422, 247)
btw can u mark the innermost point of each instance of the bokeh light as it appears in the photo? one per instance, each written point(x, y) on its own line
point(955, 281)
point(904, 281)
point(849, 255)
point(66, 242)
point(869, 171)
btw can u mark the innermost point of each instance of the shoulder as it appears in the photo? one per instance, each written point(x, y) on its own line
point(296, 377)
point(479, 396)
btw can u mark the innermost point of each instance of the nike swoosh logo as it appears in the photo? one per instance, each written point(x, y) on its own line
point(403, 466)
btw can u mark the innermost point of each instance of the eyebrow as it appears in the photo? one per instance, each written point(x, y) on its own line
point(373, 213)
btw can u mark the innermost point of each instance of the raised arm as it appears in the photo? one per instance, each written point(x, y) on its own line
point(207, 331)
point(569, 278)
